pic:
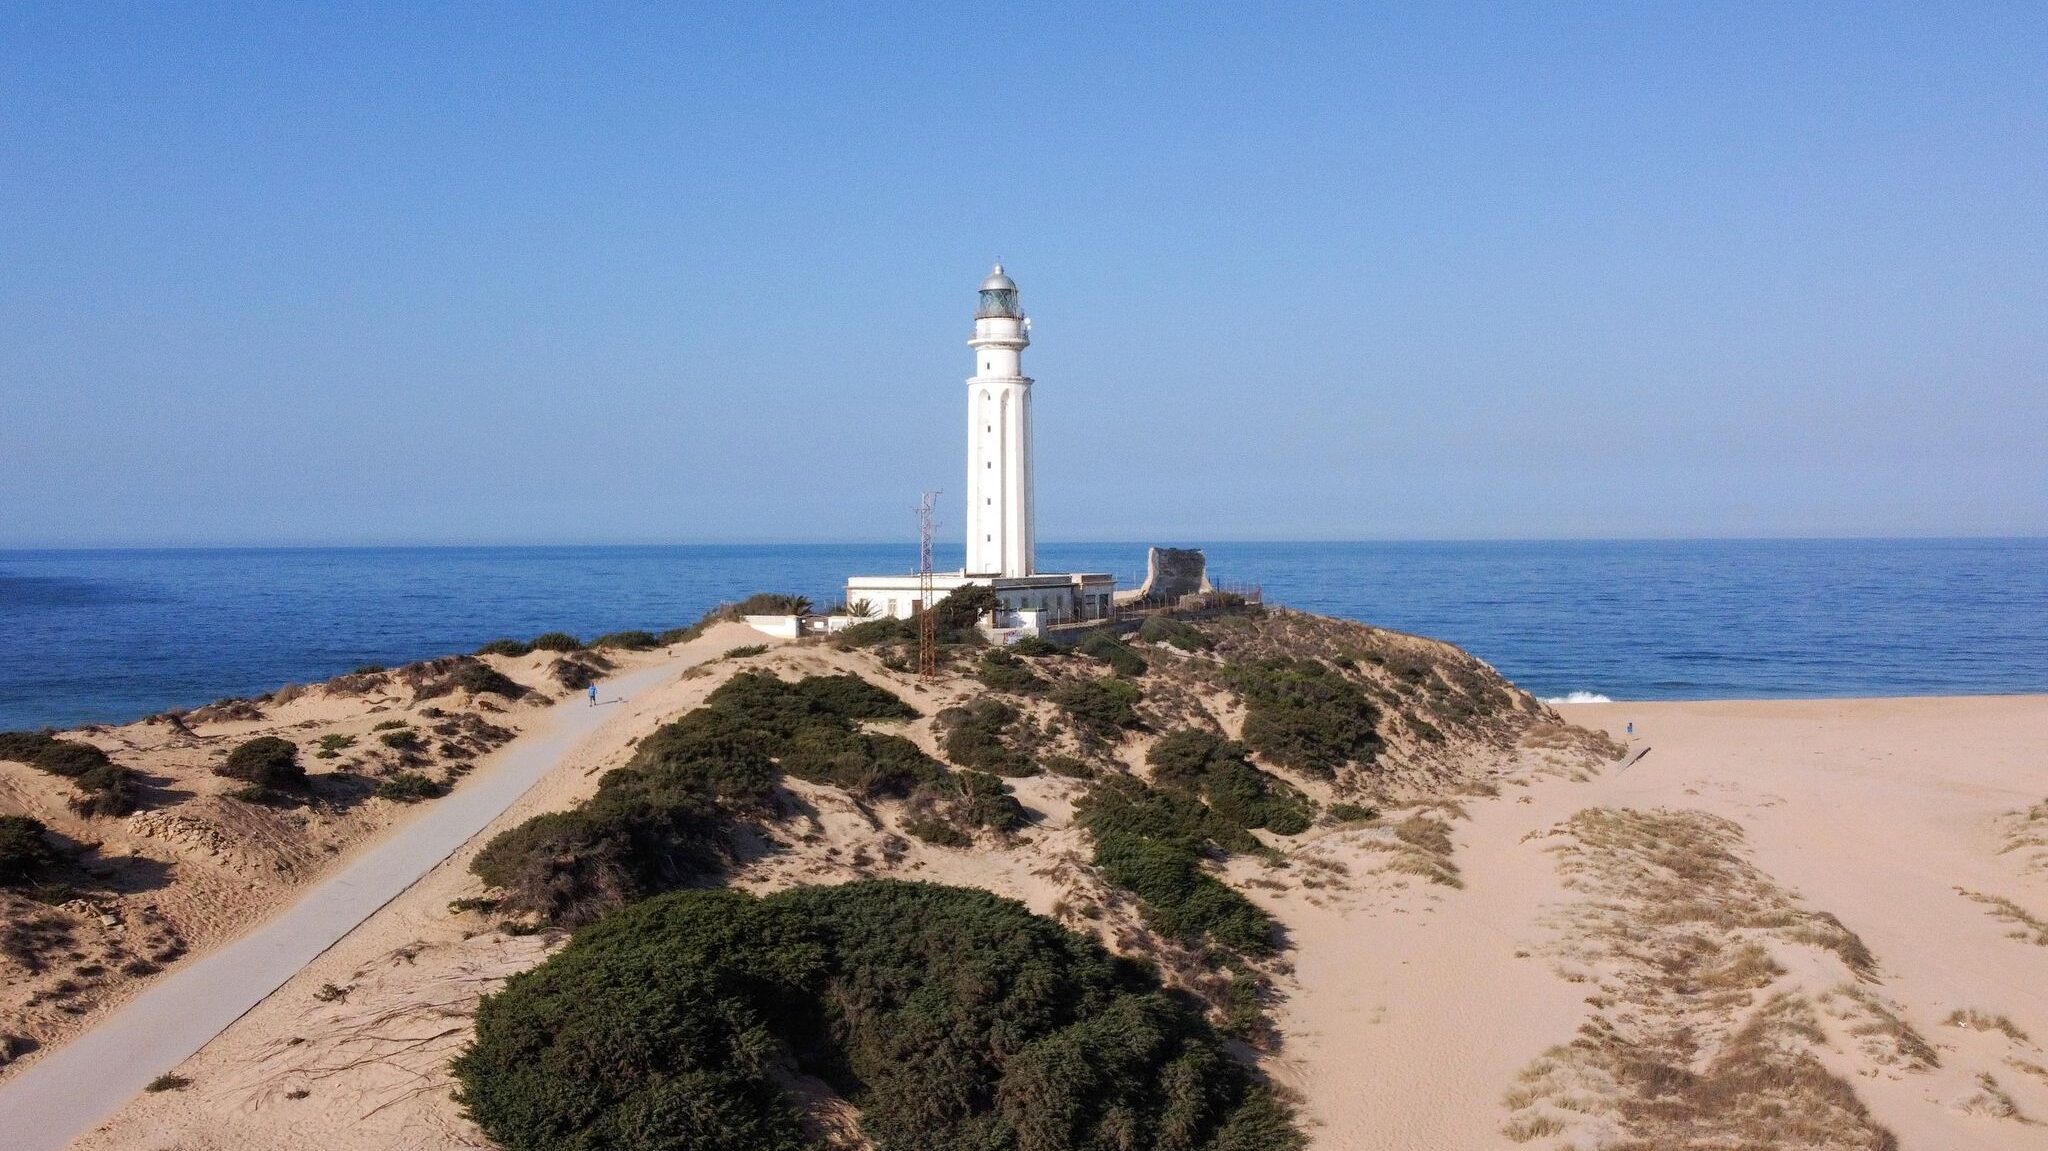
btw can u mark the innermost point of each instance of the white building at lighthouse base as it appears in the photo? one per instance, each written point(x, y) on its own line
point(1030, 604)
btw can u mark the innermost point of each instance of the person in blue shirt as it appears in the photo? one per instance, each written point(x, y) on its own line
point(593, 695)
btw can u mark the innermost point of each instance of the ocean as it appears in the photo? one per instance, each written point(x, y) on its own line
point(109, 636)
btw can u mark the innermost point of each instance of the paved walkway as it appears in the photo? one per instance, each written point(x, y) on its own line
point(75, 1087)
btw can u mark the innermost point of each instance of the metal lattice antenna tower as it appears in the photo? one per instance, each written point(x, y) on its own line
point(927, 620)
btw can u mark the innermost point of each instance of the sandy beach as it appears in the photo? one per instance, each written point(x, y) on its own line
point(1881, 874)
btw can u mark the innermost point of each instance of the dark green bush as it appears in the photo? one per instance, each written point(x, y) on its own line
point(23, 850)
point(973, 736)
point(1035, 647)
point(574, 674)
point(512, 647)
point(1236, 790)
point(43, 751)
point(1120, 656)
point(1352, 812)
point(24, 746)
point(937, 832)
point(1068, 766)
point(875, 766)
point(631, 640)
point(1151, 842)
point(1002, 671)
point(772, 603)
point(1167, 630)
point(1302, 714)
point(953, 1020)
point(267, 761)
point(556, 641)
point(744, 650)
point(108, 789)
point(1101, 708)
point(409, 787)
point(480, 679)
point(957, 620)
point(404, 739)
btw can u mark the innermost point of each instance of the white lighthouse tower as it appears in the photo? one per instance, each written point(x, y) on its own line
point(999, 532)
point(1000, 536)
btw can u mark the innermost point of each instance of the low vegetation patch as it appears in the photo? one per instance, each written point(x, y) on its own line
point(949, 1019)
point(409, 787)
point(630, 640)
point(267, 761)
point(475, 678)
point(43, 751)
point(1003, 671)
point(1175, 633)
point(1218, 771)
point(511, 647)
point(1303, 714)
point(1101, 709)
point(1151, 842)
point(665, 818)
point(24, 851)
point(1120, 656)
point(975, 736)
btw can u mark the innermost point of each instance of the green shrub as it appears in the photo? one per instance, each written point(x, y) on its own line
point(1352, 812)
point(404, 739)
point(369, 669)
point(1101, 708)
point(973, 736)
point(952, 1019)
point(574, 674)
point(25, 746)
point(632, 640)
point(1001, 671)
point(1237, 791)
point(409, 787)
point(1151, 842)
point(23, 850)
point(1304, 715)
point(481, 679)
point(1068, 766)
point(167, 1082)
point(108, 789)
point(772, 603)
point(666, 817)
point(937, 832)
point(336, 742)
point(556, 641)
point(1035, 647)
point(744, 650)
point(511, 647)
point(1120, 656)
point(267, 761)
point(876, 632)
point(1167, 630)
point(43, 751)
point(859, 762)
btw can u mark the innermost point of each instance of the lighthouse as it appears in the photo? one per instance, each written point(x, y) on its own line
point(1001, 537)
point(999, 529)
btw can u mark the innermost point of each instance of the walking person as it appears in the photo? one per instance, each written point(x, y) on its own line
point(593, 695)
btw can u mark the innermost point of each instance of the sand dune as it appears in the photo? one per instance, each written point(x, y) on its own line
point(1824, 907)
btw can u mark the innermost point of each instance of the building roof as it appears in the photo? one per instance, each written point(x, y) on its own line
point(997, 281)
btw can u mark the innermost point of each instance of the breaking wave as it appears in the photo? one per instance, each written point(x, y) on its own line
point(1580, 697)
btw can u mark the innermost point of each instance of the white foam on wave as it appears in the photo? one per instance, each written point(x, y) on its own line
point(1580, 697)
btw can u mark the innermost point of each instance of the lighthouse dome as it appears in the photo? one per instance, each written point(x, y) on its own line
point(998, 298)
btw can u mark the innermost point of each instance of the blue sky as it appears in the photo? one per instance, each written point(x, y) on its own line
point(664, 273)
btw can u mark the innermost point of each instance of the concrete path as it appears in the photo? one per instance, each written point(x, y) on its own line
point(75, 1087)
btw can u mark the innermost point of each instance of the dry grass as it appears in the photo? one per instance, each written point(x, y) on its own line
point(2026, 832)
point(1971, 1019)
point(1692, 1043)
point(2030, 929)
